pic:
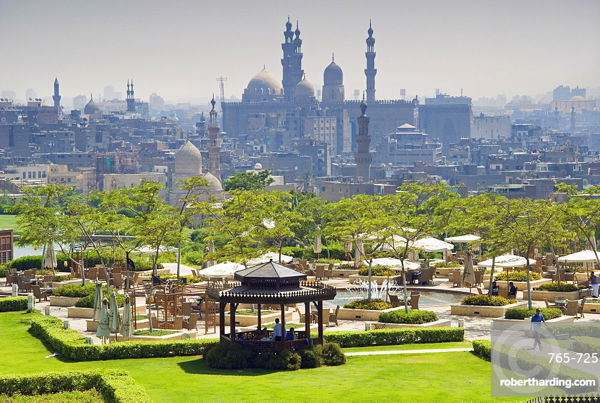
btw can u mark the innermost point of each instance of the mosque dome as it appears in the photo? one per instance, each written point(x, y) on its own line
point(91, 108)
point(214, 184)
point(258, 166)
point(188, 160)
point(304, 90)
point(333, 75)
point(265, 83)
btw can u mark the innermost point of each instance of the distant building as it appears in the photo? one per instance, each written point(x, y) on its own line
point(490, 127)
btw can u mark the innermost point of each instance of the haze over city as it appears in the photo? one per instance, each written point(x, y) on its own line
point(177, 51)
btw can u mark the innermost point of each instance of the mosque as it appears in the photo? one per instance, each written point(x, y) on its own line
point(283, 115)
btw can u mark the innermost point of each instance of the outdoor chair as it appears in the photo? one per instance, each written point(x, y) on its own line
point(47, 280)
point(23, 284)
point(333, 316)
point(580, 307)
point(11, 279)
point(29, 273)
point(329, 271)
point(394, 300)
point(187, 309)
point(414, 300)
point(117, 280)
point(178, 322)
point(572, 308)
point(426, 276)
point(192, 322)
point(302, 315)
point(320, 273)
point(456, 278)
point(479, 277)
point(38, 293)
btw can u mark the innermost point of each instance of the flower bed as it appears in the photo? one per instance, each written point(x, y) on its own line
point(517, 276)
point(562, 287)
point(374, 304)
point(486, 300)
point(484, 305)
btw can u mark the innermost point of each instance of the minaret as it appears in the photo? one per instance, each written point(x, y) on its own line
point(292, 60)
point(363, 157)
point(214, 146)
point(572, 119)
point(130, 97)
point(56, 97)
point(370, 71)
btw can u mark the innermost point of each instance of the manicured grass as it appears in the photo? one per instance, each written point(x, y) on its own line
point(8, 222)
point(249, 312)
point(454, 377)
point(154, 332)
point(416, 346)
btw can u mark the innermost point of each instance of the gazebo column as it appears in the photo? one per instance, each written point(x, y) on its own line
point(259, 324)
point(233, 307)
point(307, 319)
point(282, 322)
point(222, 318)
point(320, 315)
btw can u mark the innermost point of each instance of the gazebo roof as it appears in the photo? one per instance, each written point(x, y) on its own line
point(304, 292)
point(269, 274)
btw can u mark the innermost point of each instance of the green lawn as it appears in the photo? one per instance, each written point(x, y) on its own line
point(441, 377)
point(8, 222)
point(433, 346)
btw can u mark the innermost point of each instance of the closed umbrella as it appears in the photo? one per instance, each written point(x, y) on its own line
point(211, 250)
point(115, 319)
point(50, 257)
point(127, 324)
point(317, 247)
point(97, 302)
point(358, 252)
point(103, 330)
point(469, 273)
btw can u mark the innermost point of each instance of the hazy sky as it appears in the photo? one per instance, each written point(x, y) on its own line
point(178, 48)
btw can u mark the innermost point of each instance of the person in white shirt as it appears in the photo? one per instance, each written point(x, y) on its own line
point(277, 331)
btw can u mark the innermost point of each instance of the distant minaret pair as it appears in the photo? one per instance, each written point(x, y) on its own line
point(130, 97)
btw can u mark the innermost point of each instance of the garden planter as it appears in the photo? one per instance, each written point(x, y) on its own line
point(503, 324)
point(483, 310)
point(538, 295)
point(521, 285)
point(344, 272)
point(63, 301)
point(437, 323)
point(591, 307)
point(445, 271)
point(362, 314)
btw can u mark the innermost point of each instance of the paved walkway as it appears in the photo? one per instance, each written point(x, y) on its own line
point(422, 351)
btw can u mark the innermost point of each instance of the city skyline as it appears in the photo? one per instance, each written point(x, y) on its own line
point(479, 48)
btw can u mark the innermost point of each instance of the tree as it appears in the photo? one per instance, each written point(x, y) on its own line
point(248, 181)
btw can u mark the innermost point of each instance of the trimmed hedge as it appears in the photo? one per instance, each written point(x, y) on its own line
point(72, 346)
point(114, 385)
point(374, 304)
point(412, 317)
point(75, 290)
point(482, 349)
point(517, 276)
point(13, 304)
point(385, 337)
point(487, 300)
point(522, 313)
point(562, 287)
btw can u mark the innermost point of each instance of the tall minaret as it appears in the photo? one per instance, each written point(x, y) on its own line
point(56, 97)
point(130, 97)
point(363, 157)
point(214, 144)
point(572, 119)
point(370, 71)
point(292, 60)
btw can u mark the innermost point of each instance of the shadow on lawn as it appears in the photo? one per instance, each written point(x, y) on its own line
point(199, 366)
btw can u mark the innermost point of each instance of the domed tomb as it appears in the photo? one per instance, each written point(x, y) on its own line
point(262, 87)
point(188, 160)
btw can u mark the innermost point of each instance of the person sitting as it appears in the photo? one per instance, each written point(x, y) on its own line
point(495, 289)
point(277, 331)
point(290, 335)
point(594, 284)
point(240, 338)
point(512, 290)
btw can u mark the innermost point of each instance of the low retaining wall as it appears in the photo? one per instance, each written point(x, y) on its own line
point(445, 271)
point(521, 285)
point(362, 314)
point(483, 310)
point(437, 323)
point(63, 301)
point(591, 307)
point(537, 295)
point(338, 273)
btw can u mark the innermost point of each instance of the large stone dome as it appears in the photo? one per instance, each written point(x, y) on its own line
point(304, 90)
point(214, 184)
point(91, 108)
point(188, 160)
point(333, 74)
point(265, 83)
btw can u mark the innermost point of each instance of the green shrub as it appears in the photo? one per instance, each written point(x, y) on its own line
point(385, 337)
point(228, 356)
point(293, 251)
point(448, 265)
point(115, 386)
point(517, 276)
point(412, 317)
point(310, 359)
point(562, 287)
point(482, 349)
point(335, 252)
point(487, 300)
point(374, 304)
point(75, 290)
point(291, 359)
point(88, 301)
point(522, 313)
point(378, 271)
point(13, 304)
point(332, 354)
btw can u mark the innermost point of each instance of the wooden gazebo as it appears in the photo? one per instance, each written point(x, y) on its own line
point(271, 284)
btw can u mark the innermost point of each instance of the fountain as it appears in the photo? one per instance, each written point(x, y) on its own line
point(377, 292)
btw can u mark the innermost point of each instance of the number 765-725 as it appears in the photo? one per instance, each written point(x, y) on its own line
point(579, 358)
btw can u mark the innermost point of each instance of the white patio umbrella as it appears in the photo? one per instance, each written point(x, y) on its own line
point(50, 257)
point(270, 256)
point(97, 301)
point(463, 238)
point(395, 242)
point(585, 256)
point(225, 269)
point(394, 264)
point(127, 323)
point(507, 261)
point(430, 244)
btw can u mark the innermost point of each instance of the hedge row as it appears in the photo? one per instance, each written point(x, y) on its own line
point(115, 386)
point(522, 313)
point(487, 300)
point(72, 346)
point(562, 287)
point(384, 337)
point(412, 317)
point(13, 304)
point(482, 349)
